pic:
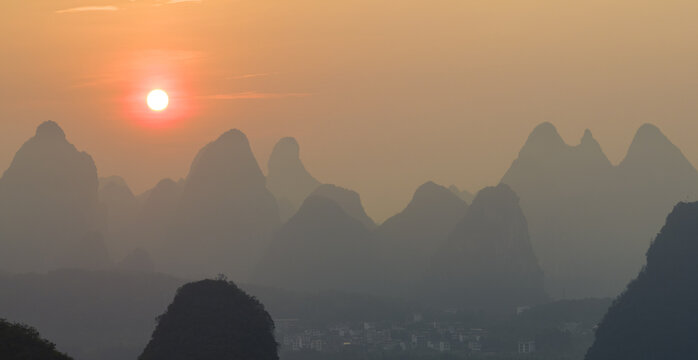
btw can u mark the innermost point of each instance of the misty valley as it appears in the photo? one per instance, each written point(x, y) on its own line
point(569, 256)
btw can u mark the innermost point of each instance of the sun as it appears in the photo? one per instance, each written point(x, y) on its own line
point(157, 100)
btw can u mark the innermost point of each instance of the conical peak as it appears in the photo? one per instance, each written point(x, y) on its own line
point(649, 134)
point(428, 187)
point(50, 129)
point(285, 156)
point(590, 146)
point(429, 191)
point(651, 146)
point(545, 132)
point(166, 183)
point(287, 146)
point(231, 149)
point(319, 206)
point(233, 136)
point(649, 129)
point(543, 139)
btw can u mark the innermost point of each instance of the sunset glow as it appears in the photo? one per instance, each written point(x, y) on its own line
point(157, 100)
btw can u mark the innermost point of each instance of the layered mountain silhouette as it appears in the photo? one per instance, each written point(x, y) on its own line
point(348, 200)
point(225, 214)
point(156, 216)
point(321, 247)
point(487, 261)
point(49, 202)
point(590, 221)
point(655, 318)
point(122, 214)
point(287, 178)
point(409, 240)
point(464, 195)
point(211, 320)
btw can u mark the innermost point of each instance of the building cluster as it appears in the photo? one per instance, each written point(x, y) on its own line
point(415, 334)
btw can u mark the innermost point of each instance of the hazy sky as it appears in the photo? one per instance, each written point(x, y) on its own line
point(382, 95)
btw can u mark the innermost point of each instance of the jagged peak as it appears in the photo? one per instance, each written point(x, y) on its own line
point(591, 147)
point(50, 129)
point(348, 200)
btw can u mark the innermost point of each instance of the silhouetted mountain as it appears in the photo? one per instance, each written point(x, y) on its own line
point(654, 172)
point(409, 240)
point(590, 222)
point(156, 216)
point(225, 214)
point(321, 247)
point(348, 200)
point(287, 178)
point(487, 261)
point(122, 214)
point(211, 320)
point(655, 318)
point(21, 342)
point(464, 195)
point(48, 202)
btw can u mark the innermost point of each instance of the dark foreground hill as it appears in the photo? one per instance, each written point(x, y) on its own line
point(21, 342)
point(89, 314)
point(108, 315)
point(656, 318)
point(212, 320)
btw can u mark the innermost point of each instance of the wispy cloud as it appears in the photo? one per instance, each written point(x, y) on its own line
point(182, 1)
point(253, 95)
point(248, 76)
point(87, 9)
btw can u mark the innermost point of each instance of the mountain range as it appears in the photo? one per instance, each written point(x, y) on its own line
point(591, 221)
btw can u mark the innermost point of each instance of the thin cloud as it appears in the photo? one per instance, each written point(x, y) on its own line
point(253, 95)
point(87, 9)
point(248, 76)
point(182, 1)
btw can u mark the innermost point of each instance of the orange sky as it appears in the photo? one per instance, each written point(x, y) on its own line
point(383, 95)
